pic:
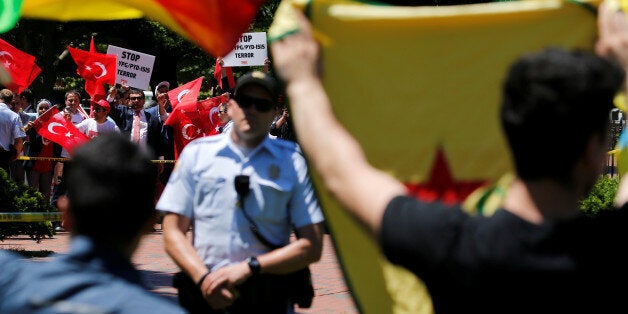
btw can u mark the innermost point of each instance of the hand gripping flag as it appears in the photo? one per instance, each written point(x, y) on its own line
point(441, 69)
point(187, 92)
point(20, 65)
point(55, 127)
point(96, 68)
point(218, 76)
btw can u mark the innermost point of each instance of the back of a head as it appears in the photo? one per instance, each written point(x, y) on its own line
point(6, 95)
point(553, 102)
point(111, 189)
point(28, 94)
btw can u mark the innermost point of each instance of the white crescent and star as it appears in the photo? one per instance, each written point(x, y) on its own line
point(102, 68)
point(182, 94)
point(8, 62)
point(52, 125)
point(184, 131)
point(89, 68)
point(213, 114)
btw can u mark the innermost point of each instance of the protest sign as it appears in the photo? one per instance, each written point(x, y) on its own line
point(251, 49)
point(134, 68)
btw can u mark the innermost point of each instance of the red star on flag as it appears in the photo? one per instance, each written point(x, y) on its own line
point(441, 184)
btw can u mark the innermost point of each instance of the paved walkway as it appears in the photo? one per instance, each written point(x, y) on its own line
point(332, 295)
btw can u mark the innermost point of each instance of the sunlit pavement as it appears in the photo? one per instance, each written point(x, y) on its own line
point(332, 295)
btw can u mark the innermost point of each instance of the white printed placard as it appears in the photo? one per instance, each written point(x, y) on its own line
point(134, 68)
point(251, 49)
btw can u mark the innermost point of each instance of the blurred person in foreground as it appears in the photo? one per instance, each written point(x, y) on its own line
point(110, 180)
point(539, 252)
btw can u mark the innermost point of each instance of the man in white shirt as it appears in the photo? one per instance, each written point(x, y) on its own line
point(92, 127)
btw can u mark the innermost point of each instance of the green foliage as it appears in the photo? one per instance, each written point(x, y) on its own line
point(21, 198)
point(601, 197)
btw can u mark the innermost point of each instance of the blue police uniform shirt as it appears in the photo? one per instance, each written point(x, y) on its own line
point(201, 188)
point(10, 127)
point(86, 280)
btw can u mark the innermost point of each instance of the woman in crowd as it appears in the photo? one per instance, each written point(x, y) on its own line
point(39, 172)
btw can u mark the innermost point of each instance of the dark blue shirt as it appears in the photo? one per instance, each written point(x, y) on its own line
point(87, 280)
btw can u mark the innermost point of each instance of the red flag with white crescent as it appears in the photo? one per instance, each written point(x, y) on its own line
point(208, 109)
point(192, 120)
point(185, 93)
point(185, 122)
point(20, 65)
point(55, 127)
point(96, 68)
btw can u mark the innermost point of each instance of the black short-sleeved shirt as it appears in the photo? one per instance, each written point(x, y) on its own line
point(502, 263)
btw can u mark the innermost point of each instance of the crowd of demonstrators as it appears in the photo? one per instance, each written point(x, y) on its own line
point(39, 172)
point(107, 181)
point(539, 252)
point(244, 194)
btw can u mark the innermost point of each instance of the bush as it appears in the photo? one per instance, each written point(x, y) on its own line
point(602, 196)
point(21, 198)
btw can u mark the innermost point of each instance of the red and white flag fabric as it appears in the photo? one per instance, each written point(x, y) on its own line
point(185, 93)
point(20, 65)
point(218, 76)
point(92, 45)
point(55, 127)
point(96, 68)
point(209, 108)
point(186, 125)
point(192, 120)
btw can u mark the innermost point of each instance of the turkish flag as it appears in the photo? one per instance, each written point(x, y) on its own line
point(20, 65)
point(187, 92)
point(192, 120)
point(96, 68)
point(92, 45)
point(209, 108)
point(218, 76)
point(186, 124)
point(55, 127)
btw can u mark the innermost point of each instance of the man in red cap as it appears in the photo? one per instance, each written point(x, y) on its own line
point(99, 123)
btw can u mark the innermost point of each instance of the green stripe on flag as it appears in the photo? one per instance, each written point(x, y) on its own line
point(9, 14)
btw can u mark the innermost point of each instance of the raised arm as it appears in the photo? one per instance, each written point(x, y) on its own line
point(613, 44)
point(362, 189)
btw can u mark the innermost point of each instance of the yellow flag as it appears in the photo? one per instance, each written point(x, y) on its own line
point(415, 83)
